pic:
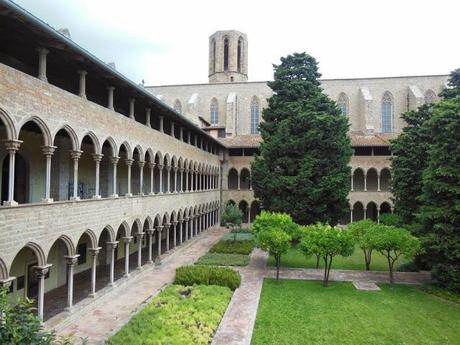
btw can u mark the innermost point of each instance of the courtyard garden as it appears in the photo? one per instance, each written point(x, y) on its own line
point(340, 314)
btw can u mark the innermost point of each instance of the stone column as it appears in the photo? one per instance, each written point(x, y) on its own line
point(114, 161)
point(151, 166)
point(186, 179)
point(181, 170)
point(195, 226)
point(75, 155)
point(352, 183)
point(112, 246)
point(82, 88)
point(172, 129)
point(378, 182)
point(97, 159)
point(94, 253)
point(48, 152)
point(141, 177)
point(159, 230)
point(200, 223)
point(147, 117)
point(180, 231)
point(239, 181)
point(175, 179)
point(42, 52)
point(181, 134)
point(351, 215)
point(110, 90)
point(365, 182)
point(174, 226)
point(139, 236)
point(149, 243)
point(12, 146)
point(160, 168)
point(70, 261)
point(186, 228)
point(41, 272)
point(129, 163)
point(127, 241)
point(161, 123)
point(365, 213)
point(167, 228)
point(168, 180)
point(378, 215)
point(131, 108)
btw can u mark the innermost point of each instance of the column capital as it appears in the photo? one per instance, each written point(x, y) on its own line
point(141, 164)
point(160, 228)
point(129, 161)
point(151, 165)
point(112, 245)
point(6, 283)
point(111, 88)
point(167, 226)
point(168, 168)
point(48, 150)
point(94, 251)
point(139, 235)
point(181, 170)
point(12, 145)
point(114, 160)
point(82, 72)
point(150, 231)
point(42, 50)
point(127, 239)
point(132, 100)
point(71, 259)
point(160, 166)
point(97, 157)
point(75, 154)
point(174, 223)
point(42, 270)
point(175, 169)
point(181, 220)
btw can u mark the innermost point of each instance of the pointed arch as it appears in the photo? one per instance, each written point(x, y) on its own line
point(430, 97)
point(344, 104)
point(47, 138)
point(72, 135)
point(129, 153)
point(3, 270)
point(214, 112)
point(387, 116)
point(9, 125)
point(112, 144)
point(38, 251)
point(124, 227)
point(177, 106)
point(112, 234)
point(255, 115)
point(226, 53)
point(94, 139)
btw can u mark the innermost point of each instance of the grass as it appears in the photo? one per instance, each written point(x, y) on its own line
point(240, 236)
point(178, 315)
point(220, 259)
point(233, 247)
point(303, 312)
point(441, 292)
point(296, 259)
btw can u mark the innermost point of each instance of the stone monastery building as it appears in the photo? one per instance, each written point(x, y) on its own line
point(101, 176)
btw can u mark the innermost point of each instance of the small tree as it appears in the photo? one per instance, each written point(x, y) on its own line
point(328, 241)
point(232, 218)
point(391, 219)
point(276, 242)
point(314, 251)
point(392, 243)
point(360, 231)
point(282, 221)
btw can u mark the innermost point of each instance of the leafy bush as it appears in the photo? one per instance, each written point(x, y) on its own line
point(207, 275)
point(276, 242)
point(233, 247)
point(360, 232)
point(219, 259)
point(391, 219)
point(178, 315)
point(241, 236)
point(282, 221)
point(408, 267)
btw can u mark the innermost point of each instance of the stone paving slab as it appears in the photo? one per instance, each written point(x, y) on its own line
point(366, 286)
point(105, 316)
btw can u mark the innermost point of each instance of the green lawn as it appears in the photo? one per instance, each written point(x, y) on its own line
point(295, 258)
point(240, 236)
point(303, 312)
point(178, 315)
point(219, 259)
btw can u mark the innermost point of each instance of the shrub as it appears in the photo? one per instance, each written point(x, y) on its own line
point(233, 247)
point(219, 259)
point(276, 242)
point(391, 219)
point(360, 232)
point(207, 275)
point(408, 267)
point(282, 221)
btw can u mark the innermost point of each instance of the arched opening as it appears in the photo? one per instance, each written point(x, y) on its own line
point(385, 180)
point(245, 179)
point(62, 166)
point(358, 180)
point(213, 54)
point(145, 241)
point(231, 202)
point(387, 113)
point(232, 179)
point(166, 175)
point(120, 252)
point(122, 169)
point(343, 104)
point(255, 210)
point(371, 211)
point(358, 211)
point(385, 207)
point(136, 170)
point(86, 169)
point(240, 55)
point(135, 246)
point(156, 237)
point(214, 112)
point(21, 178)
point(243, 206)
point(84, 265)
point(156, 173)
point(104, 258)
point(255, 115)
point(172, 177)
point(165, 234)
point(106, 169)
point(372, 180)
point(226, 54)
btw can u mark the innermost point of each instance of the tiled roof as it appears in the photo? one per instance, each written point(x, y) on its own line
point(242, 141)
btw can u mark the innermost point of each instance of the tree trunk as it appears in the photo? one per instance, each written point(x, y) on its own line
point(277, 267)
point(390, 267)
point(317, 261)
point(325, 281)
point(367, 259)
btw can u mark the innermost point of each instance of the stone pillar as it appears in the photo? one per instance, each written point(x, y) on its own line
point(70, 261)
point(195, 226)
point(139, 236)
point(149, 243)
point(147, 117)
point(41, 272)
point(365, 213)
point(151, 166)
point(42, 52)
point(112, 246)
point(94, 253)
point(187, 172)
point(161, 123)
point(365, 182)
point(97, 159)
point(352, 183)
point(174, 225)
point(82, 86)
point(12, 146)
point(167, 227)
point(186, 228)
point(131, 108)
point(48, 152)
point(127, 241)
point(175, 179)
point(378, 215)
point(180, 231)
point(172, 129)
point(114, 161)
point(168, 181)
point(110, 90)
point(159, 229)
point(181, 170)
point(378, 182)
point(141, 177)
point(200, 223)
point(75, 154)
point(181, 134)
point(351, 215)
point(129, 163)
point(160, 168)
point(239, 181)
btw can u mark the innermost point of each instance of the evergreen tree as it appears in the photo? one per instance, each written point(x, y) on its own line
point(303, 167)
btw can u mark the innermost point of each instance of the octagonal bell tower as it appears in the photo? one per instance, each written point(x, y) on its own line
point(228, 57)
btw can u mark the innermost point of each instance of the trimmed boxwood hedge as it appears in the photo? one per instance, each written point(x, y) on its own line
point(233, 247)
point(207, 275)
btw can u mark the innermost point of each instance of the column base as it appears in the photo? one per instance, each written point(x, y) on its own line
point(141, 194)
point(115, 196)
point(112, 284)
point(92, 294)
point(10, 203)
point(75, 198)
point(68, 309)
point(126, 275)
point(96, 197)
point(139, 268)
point(151, 193)
point(150, 262)
point(48, 201)
point(128, 195)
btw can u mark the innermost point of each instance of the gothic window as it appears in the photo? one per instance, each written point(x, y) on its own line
point(255, 116)
point(343, 104)
point(225, 54)
point(430, 97)
point(214, 112)
point(213, 58)
point(387, 113)
point(240, 53)
point(178, 106)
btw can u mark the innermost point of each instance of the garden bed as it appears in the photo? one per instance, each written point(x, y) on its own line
point(221, 259)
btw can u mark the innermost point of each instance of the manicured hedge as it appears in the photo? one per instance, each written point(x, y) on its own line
point(219, 259)
point(207, 275)
point(233, 247)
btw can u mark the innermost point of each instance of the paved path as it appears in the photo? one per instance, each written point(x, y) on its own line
point(99, 320)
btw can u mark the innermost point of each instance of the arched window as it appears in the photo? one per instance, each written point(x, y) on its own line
point(213, 45)
point(178, 106)
point(343, 104)
point(255, 116)
point(214, 112)
point(430, 97)
point(240, 53)
point(225, 54)
point(387, 113)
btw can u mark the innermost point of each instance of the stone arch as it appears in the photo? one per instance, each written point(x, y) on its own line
point(127, 148)
point(3, 270)
point(167, 160)
point(68, 244)
point(174, 216)
point(358, 179)
point(371, 211)
point(245, 179)
point(232, 179)
point(9, 125)
point(47, 138)
point(231, 202)
point(385, 207)
point(358, 211)
point(343, 103)
point(38, 251)
point(137, 224)
point(387, 112)
point(372, 179)
point(72, 135)
point(244, 208)
point(157, 220)
point(140, 152)
point(166, 218)
point(125, 228)
point(158, 157)
point(112, 145)
point(149, 153)
point(255, 210)
point(111, 232)
point(149, 222)
point(92, 236)
point(385, 179)
point(94, 139)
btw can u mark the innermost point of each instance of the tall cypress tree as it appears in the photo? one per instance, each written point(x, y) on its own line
point(303, 164)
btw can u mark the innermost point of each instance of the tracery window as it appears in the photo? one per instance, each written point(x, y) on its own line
point(240, 53)
point(387, 113)
point(225, 54)
point(430, 97)
point(255, 115)
point(343, 104)
point(214, 110)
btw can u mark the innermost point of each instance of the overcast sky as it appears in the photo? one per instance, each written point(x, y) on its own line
point(166, 42)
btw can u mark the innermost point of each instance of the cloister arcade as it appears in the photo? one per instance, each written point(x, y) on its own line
point(73, 270)
point(239, 179)
point(371, 179)
point(249, 210)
